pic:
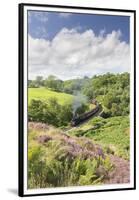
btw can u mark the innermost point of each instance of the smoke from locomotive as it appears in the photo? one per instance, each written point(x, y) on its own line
point(78, 101)
point(81, 118)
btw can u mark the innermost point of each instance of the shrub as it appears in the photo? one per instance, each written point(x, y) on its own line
point(50, 112)
point(65, 161)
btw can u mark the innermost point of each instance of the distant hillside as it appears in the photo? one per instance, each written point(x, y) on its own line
point(111, 90)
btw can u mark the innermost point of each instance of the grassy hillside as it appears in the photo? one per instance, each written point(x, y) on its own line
point(45, 94)
point(56, 159)
point(112, 133)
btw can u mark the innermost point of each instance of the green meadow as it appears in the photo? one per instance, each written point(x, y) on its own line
point(44, 94)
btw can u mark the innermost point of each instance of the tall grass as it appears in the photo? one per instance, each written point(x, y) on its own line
point(64, 161)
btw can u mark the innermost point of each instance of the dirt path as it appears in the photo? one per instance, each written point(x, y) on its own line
point(121, 172)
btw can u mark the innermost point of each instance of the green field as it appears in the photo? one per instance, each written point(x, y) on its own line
point(45, 94)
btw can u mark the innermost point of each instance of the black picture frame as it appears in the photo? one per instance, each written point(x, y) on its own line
point(21, 86)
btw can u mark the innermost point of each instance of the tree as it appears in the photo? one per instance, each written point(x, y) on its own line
point(50, 112)
point(54, 83)
point(39, 81)
point(89, 92)
point(36, 110)
point(32, 84)
point(108, 100)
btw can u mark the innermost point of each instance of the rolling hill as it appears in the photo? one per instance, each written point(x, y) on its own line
point(44, 94)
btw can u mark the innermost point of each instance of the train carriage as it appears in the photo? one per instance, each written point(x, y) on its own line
point(77, 120)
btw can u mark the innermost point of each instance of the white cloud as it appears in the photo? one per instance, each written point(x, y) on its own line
point(72, 54)
point(65, 15)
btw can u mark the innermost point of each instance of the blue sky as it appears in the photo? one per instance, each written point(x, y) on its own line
point(71, 45)
point(53, 23)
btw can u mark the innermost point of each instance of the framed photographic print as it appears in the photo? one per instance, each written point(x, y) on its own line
point(76, 99)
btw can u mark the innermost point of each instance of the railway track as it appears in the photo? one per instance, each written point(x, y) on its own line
point(98, 113)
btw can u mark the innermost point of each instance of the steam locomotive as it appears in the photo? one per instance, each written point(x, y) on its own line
point(79, 119)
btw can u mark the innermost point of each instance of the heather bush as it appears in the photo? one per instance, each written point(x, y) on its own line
point(56, 160)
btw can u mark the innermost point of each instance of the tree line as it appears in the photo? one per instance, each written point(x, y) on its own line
point(111, 90)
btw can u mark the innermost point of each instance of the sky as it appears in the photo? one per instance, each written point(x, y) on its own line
point(71, 45)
